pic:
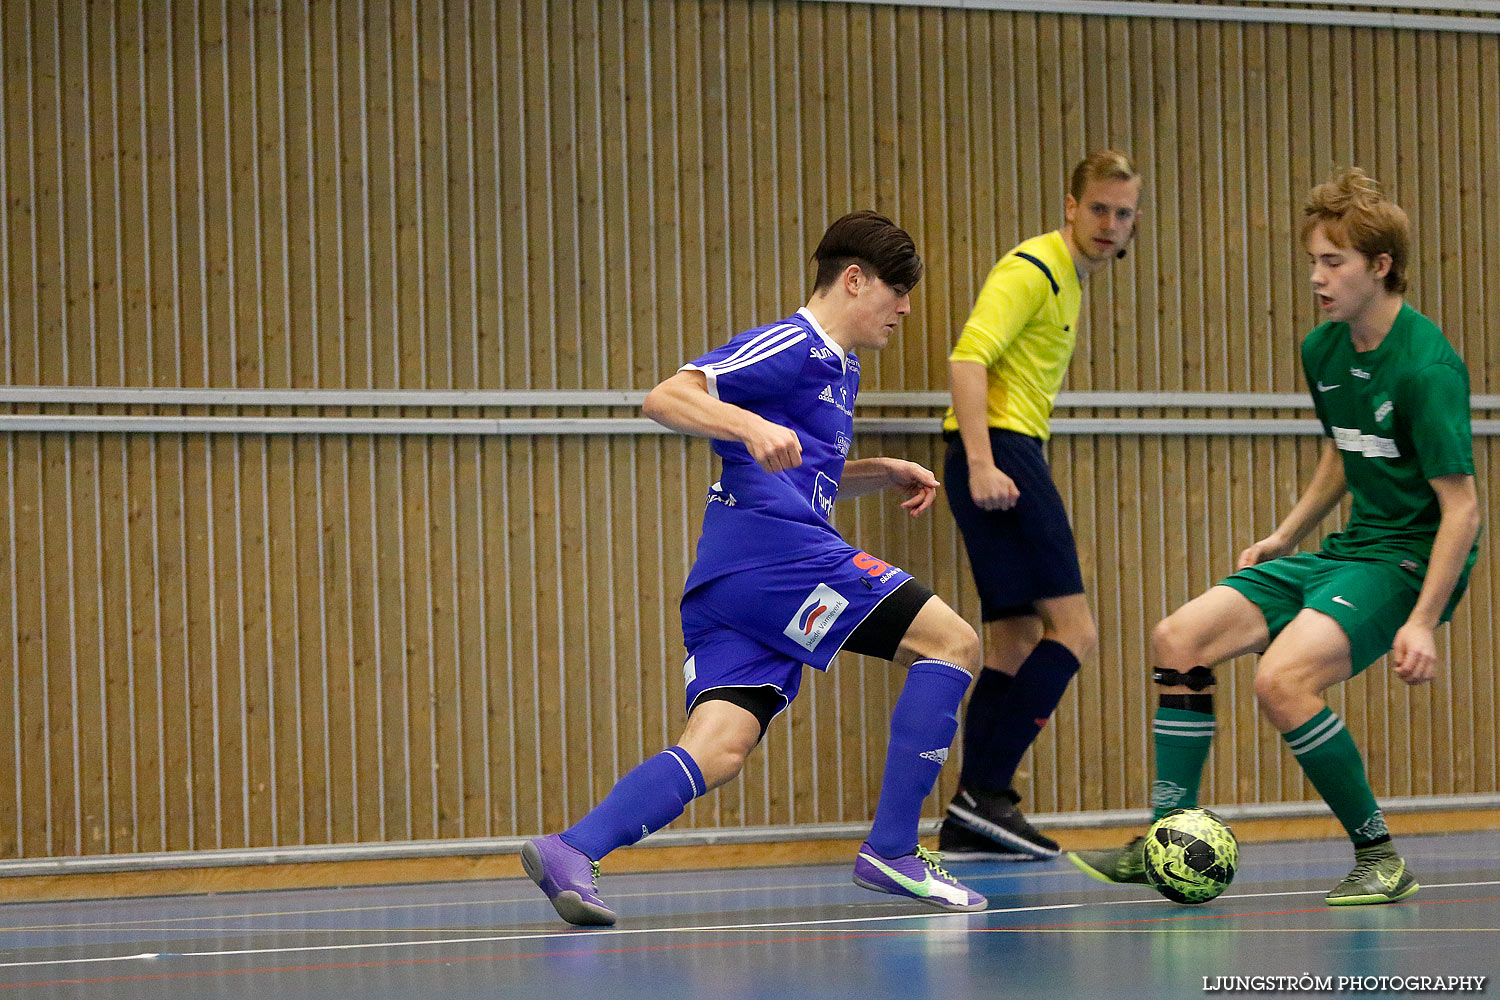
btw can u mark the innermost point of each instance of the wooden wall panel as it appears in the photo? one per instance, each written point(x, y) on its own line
point(451, 668)
point(241, 640)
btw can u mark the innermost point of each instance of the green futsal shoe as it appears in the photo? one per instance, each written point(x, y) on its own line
point(1379, 876)
point(1118, 865)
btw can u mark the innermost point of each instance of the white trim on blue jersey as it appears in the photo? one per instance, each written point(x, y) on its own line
point(766, 345)
point(833, 345)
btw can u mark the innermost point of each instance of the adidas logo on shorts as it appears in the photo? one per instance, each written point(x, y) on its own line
point(940, 755)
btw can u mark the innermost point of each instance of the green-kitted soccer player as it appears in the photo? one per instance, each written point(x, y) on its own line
point(1393, 397)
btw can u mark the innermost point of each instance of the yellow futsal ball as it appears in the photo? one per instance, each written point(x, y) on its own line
point(1191, 855)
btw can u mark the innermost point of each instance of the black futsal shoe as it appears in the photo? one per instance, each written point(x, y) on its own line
point(959, 843)
point(996, 816)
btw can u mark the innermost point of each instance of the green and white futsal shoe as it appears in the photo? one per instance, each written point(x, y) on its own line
point(1379, 876)
point(1117, 865)
point(918, 876)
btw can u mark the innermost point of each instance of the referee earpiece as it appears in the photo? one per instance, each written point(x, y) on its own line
point(1134, 229)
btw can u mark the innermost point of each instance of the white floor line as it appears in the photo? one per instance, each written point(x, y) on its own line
point(531, 898)
point(78, 961)
point(543, 936)
point(635, 931)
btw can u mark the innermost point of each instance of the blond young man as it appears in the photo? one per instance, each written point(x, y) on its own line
point(1393, 398)
point(1006, 370)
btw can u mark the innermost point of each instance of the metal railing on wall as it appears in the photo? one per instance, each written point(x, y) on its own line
point(1286, 13)
point(567, 425)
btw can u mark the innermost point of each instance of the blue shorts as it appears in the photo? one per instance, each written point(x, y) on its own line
point(756, 628)
point(1022, 555)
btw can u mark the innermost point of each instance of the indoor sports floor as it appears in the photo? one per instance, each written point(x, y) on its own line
point(772, 933)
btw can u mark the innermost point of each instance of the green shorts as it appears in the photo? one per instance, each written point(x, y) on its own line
point(1370, 600)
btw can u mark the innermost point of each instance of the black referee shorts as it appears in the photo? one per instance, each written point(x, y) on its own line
point(1022, 555)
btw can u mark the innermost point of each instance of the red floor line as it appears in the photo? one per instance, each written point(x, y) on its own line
point(445, 959)
point(681, 946)
point(1230, 916)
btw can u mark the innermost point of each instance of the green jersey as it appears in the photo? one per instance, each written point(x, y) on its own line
point(1399, 415)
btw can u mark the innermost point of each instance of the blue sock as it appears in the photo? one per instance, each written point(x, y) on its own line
point(994, 746)
point(922, 727)
point(642, 802)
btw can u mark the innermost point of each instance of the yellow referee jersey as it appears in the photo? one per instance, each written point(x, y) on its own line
point(1023, 329)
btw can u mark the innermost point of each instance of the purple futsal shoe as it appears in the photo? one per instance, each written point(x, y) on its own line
point(567, 877)
point(916, 876)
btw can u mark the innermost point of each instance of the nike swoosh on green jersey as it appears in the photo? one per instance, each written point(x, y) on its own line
point(929, 886)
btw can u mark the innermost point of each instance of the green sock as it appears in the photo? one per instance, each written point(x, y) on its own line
point(1332, 762)
point(1182, 741)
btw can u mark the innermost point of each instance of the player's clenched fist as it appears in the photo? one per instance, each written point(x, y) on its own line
point(1414, 653)
point(1261, 552)
point(992, 489)
point(775, 448)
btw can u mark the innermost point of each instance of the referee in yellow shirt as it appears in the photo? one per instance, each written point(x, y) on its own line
point(1006, 369)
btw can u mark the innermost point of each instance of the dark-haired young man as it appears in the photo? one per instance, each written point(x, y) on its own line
point(1393, 397)
point(1006, 370)
point(775, 586)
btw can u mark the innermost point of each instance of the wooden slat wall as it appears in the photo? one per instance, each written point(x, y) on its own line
point(240, 641)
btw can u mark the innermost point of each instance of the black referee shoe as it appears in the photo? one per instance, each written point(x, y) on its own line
point(996, 816)
point(959, 843)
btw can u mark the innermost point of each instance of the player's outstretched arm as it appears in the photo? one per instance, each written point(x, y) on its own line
point(1321, 496)
point(683, 403)
point(871, 475)
point(1414, 650)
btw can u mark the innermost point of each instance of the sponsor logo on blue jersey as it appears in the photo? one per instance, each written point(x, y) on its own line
point(842, 402)
point(878, 569)
point(825, 491)
point(815, 617)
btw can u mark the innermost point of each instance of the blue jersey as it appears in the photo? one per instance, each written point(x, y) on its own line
point(793, 374)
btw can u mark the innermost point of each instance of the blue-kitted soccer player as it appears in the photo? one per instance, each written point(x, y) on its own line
point(775, 586)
